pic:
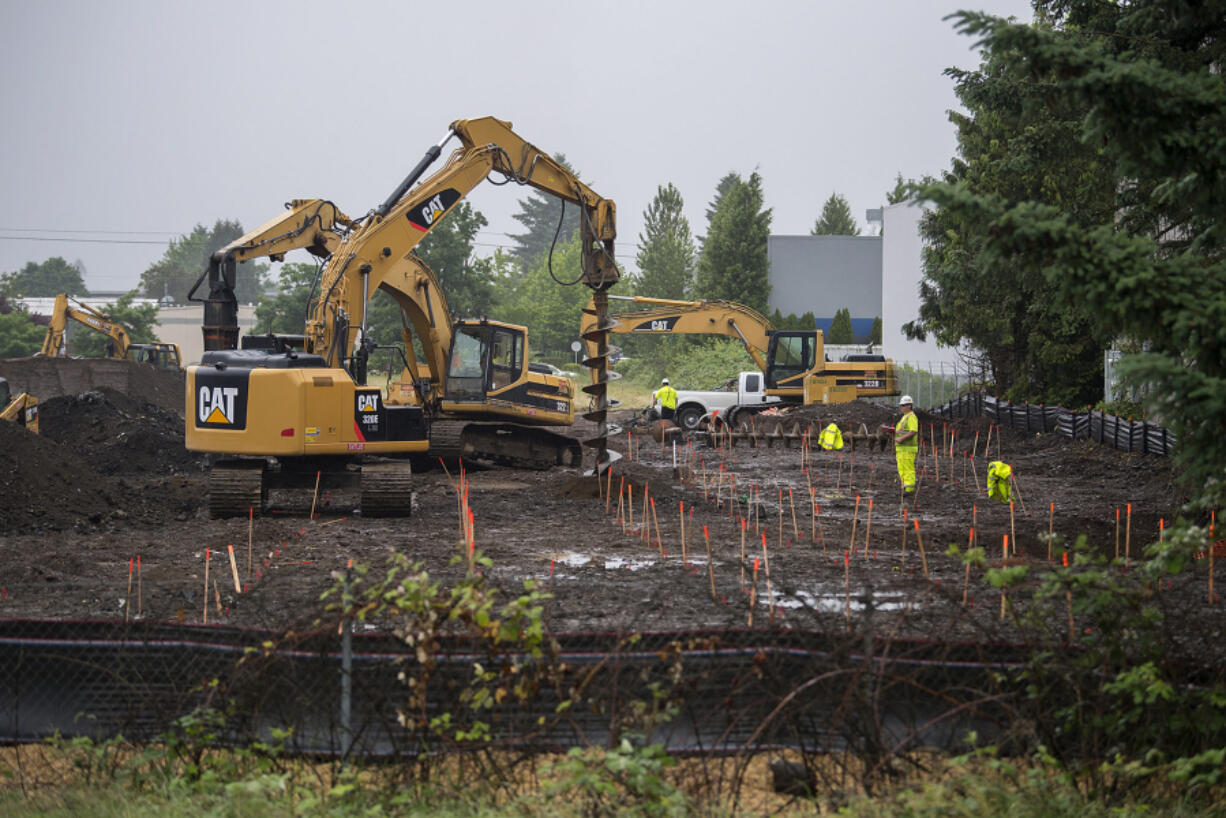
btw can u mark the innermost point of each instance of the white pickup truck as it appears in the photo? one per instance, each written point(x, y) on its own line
point(747, 389)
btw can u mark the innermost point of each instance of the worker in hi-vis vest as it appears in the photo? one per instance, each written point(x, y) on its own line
point(906, 444)
point(1000, 486)
point(667, 396)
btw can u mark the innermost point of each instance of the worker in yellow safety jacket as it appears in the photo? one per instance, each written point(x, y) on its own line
point(999, 484)
point(831, 437)
point(667, 396)
point(906, 444)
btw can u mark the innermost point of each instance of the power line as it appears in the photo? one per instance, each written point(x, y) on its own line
point(83, 230)
point(81, 241)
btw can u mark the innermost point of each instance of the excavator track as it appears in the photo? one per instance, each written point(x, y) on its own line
point(236, 489)
point(521, 447)
point(387, 490)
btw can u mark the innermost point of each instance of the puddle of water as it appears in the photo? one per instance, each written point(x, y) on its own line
point(836, 602)
point(616, 563)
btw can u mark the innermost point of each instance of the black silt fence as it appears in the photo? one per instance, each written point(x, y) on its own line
point(1109, 430)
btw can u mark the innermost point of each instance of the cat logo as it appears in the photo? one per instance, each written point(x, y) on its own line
point(425, 216)
point(216, 405)
point(368, 402)
point(221, 399)
point(658, 324)
point(431, 210)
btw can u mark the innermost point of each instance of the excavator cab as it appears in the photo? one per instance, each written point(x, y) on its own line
point(486, 358)
point(162, 356)
point(789, 355)
point(488, 375)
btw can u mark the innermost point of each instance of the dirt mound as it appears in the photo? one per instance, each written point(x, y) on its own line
point(118, 433)
point(44, 485)
point(103, 456)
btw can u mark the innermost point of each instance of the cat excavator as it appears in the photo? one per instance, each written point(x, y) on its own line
point(119, 346)
point(21, 409)
point(296, 411)
point(794, 362)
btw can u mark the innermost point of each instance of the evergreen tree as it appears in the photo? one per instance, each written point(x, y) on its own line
point(1146, 79)
point(840, 328)
point(874, 336)
point(44, 280)
point(903, 191)
point(721, 188)
point(666, 248)
point(539, 214)
point(836, 219)
point(187, 257)
point(733, 264)
point(1018, 143)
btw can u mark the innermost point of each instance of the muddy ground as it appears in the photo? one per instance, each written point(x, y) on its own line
point(109, 481)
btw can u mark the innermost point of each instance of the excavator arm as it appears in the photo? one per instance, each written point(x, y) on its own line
point(314, 225)
point(425, 314)
point(671, 317)
point(372, 250)
point(61, 312)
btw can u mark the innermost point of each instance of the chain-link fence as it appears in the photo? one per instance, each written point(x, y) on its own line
point(344, 694)
point(931, 383)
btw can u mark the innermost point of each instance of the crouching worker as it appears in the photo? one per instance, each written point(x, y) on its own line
point(1000, 486)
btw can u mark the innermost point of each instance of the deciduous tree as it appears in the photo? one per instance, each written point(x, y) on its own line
point(541, 301)
point(285, 308)
point(44, 279)
point(19, 335)
point(448, 249)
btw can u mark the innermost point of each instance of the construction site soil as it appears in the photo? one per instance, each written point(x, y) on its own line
point(109, 480)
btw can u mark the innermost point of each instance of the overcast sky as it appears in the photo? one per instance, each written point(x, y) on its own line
point(127, 123)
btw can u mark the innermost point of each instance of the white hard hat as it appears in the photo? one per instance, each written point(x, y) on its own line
point(664, 381)
point(905, 400)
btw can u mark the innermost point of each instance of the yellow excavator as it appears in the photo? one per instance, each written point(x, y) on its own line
point(794, 362)
point(119, 346)
point(296, 411)
point(21, 409)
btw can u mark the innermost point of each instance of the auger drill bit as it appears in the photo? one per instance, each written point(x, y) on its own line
point(596, 333)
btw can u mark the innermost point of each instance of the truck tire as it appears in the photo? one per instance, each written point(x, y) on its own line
point(687, 417)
